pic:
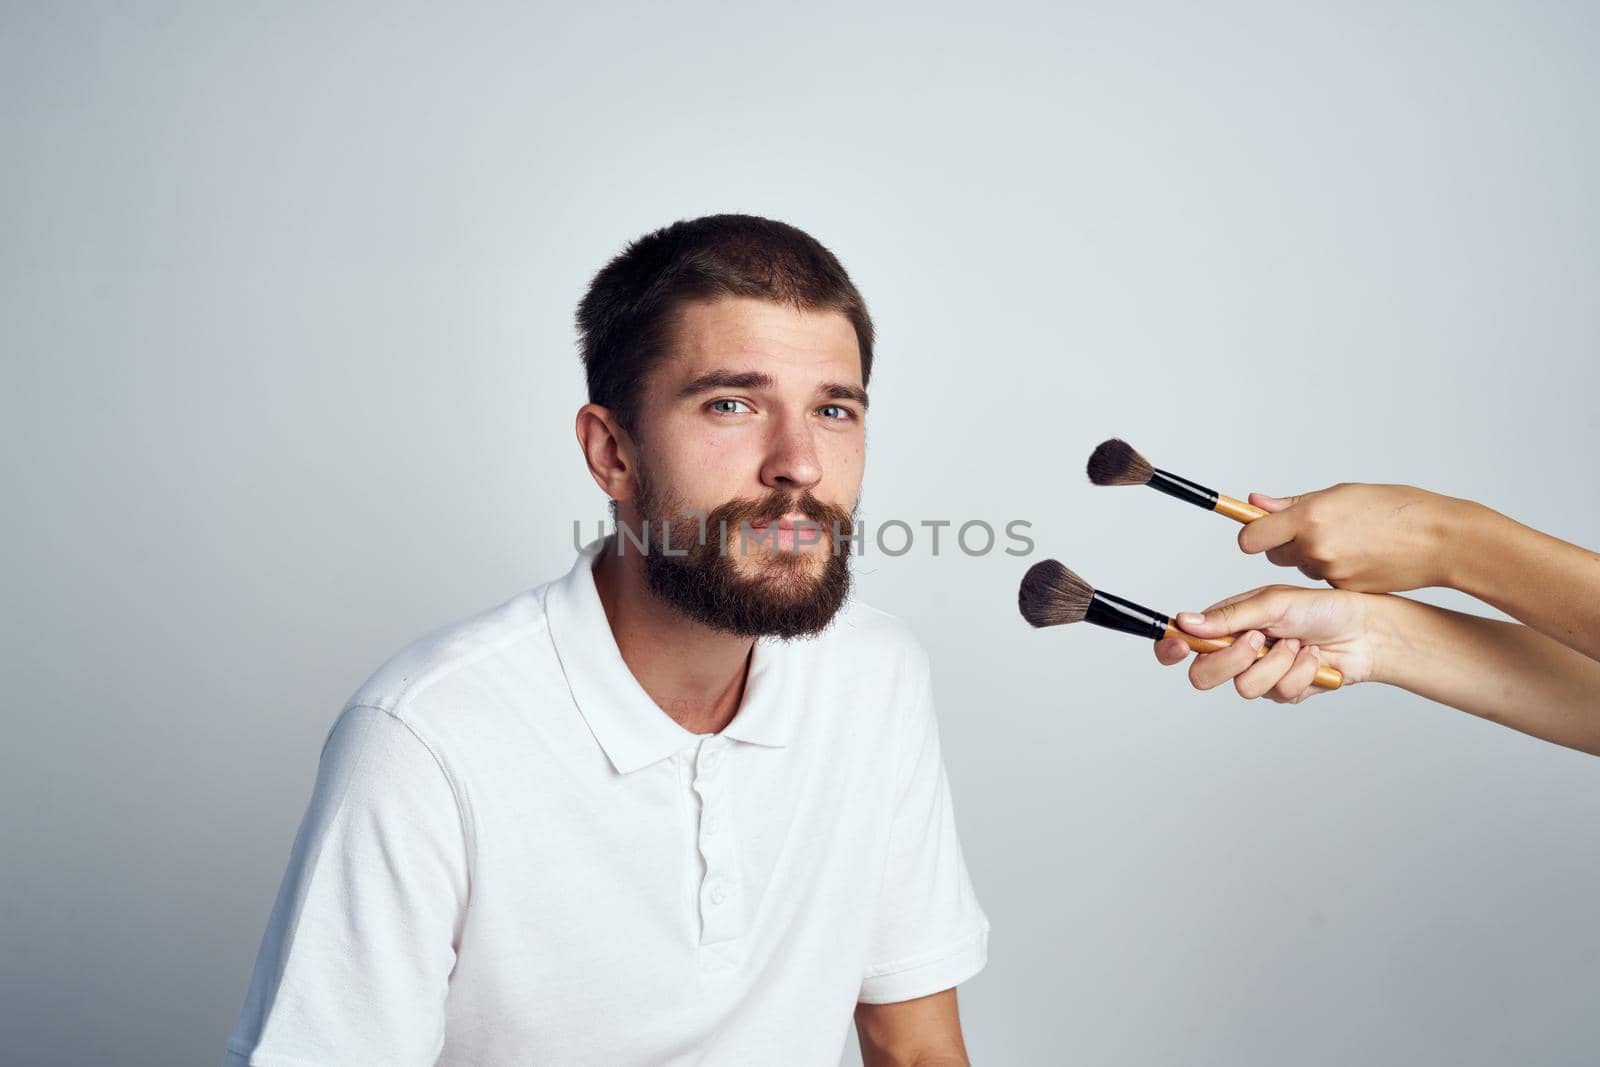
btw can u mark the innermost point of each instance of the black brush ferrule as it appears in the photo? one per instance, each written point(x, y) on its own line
point(1114, 613)
point(1184, 489)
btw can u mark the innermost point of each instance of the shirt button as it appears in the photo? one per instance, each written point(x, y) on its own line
point(713, 824)
point(718, 894)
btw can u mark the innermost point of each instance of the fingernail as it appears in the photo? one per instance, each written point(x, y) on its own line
point(1294, 644)
point(1191, 618)
point(1256, 639)
point(1315, 650)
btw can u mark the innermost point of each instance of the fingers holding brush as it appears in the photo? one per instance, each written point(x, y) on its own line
point(1262, 609)
point(1272, 504)
point(1367, 538)
point(1340, 625)
point(1282, 676)
point(1171, 651)
point(1259, 679)
point(1282, 550)
point(1370, 542)
point(1506, 672)
point(1052, 595)
point(1227, 602)
point(1211, 669)
point(1299, 682)
point(1285, 537)
point(1287, 674)
point(1273, 533)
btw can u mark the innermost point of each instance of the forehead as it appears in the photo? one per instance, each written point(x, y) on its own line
point(737, 332)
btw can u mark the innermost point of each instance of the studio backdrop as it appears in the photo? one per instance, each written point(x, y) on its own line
point(286, 301)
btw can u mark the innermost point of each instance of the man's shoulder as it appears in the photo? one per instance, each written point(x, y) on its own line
point(865, 630)
point(456, 654)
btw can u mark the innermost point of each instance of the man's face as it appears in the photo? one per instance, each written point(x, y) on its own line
point(756, 420)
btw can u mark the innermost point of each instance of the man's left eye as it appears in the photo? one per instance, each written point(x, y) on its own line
point(841, 412)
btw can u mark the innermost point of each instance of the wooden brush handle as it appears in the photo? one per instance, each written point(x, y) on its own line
point(1237, 510)
point(1327, 677)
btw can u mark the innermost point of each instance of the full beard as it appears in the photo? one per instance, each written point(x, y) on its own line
point(793, 595)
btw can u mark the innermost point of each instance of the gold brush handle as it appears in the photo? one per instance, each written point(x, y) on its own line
point(1327, 677)
point(1237, 509)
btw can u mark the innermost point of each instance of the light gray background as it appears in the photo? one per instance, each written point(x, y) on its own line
point(290, 377)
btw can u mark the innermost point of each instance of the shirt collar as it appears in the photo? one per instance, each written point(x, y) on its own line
point(630, 727)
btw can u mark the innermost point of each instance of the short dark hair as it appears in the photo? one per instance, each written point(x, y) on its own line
point(626, 317)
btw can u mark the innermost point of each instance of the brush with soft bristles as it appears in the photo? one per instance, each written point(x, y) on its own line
point(1051, 595)
point(1115, 462)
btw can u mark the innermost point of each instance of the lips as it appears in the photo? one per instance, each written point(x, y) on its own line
point(783, 522)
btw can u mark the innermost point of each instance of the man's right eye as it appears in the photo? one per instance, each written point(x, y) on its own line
point(723, 410)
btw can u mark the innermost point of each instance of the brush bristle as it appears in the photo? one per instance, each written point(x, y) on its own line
point(1115, 462)
point(1051, 595)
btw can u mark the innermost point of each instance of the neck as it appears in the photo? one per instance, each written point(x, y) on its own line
point(693, 673)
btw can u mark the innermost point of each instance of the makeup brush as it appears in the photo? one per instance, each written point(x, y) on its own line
point(1115, 462)
point(1051, 595)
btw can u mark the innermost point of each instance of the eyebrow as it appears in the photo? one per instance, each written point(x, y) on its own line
point(754, 379)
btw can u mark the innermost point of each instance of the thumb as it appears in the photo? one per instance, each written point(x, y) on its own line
point(1255, 612)
point(1273, 503)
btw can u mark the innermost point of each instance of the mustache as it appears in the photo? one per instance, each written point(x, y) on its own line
point(775, 505)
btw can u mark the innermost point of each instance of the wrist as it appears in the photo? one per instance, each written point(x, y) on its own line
point(1461, 530)
point(1382, 622)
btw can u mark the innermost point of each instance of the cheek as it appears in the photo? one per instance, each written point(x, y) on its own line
point(843, 465)
point(722, 458)
point(709, 468)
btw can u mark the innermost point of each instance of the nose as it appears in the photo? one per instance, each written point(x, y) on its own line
point(791, 461)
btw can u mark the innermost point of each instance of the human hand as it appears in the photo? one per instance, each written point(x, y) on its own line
point(1311, 627)
point(1365, 538)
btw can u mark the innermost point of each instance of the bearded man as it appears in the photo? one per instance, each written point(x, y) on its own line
point(685, 804)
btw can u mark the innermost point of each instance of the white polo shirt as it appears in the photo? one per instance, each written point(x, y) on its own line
point(513, 856)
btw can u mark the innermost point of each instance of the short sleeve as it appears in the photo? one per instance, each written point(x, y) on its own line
point(354, 966)
point(930, 933)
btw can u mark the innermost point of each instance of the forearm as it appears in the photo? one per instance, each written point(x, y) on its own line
point(924, 1032)
point(873, 1060)
point(874, 1054)
point(1547, 583)
point(1499, 671)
